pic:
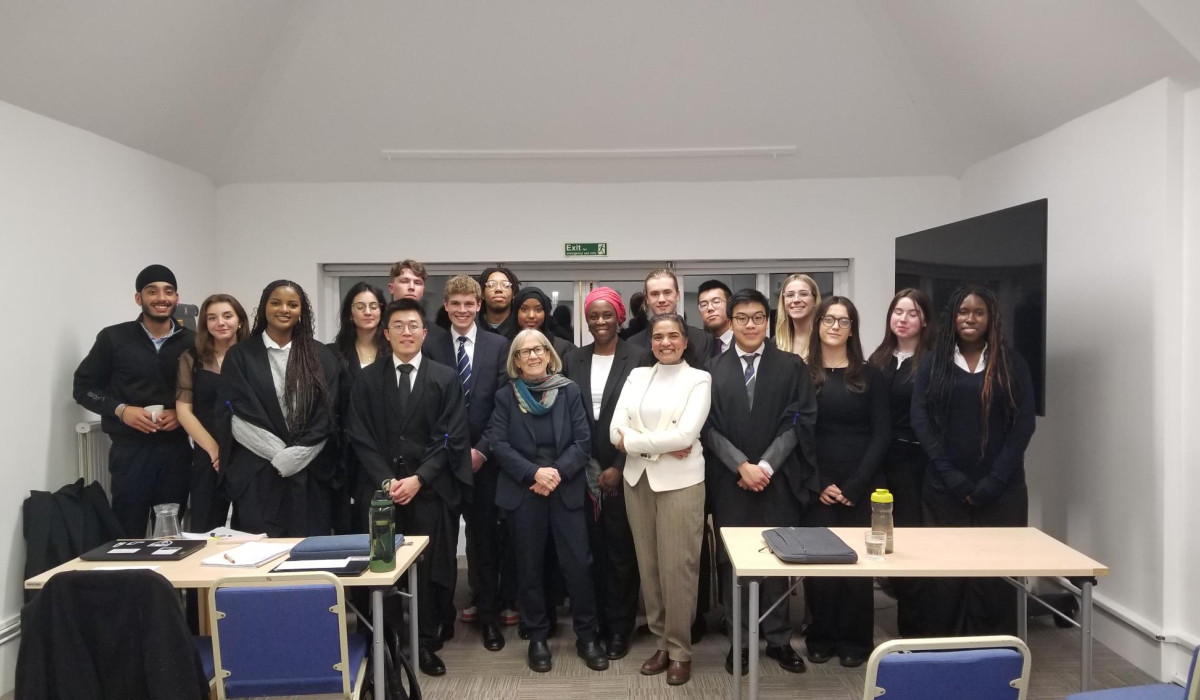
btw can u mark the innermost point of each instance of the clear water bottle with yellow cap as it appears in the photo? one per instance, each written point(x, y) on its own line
point(881, 515)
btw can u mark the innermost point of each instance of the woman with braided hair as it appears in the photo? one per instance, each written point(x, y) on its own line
point(973, 413)
point(278, 391)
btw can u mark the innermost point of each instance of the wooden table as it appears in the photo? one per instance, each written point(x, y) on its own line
point(190, 573)
point(1008, 552)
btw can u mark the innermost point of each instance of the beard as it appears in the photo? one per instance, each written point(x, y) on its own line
point(153, 315)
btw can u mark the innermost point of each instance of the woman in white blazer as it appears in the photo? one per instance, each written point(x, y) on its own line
point(657, 424)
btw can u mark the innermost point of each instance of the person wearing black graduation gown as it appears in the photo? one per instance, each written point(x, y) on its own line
point(540, 436)
point(662, 296)
point(852, 433)
point(760, 454)
point(131, 365)
point(481, 372)
point(278, 472)
point(415, 440)
point(614, 559)
point(976, 476)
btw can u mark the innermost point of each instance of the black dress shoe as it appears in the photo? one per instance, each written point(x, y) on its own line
point(492, 639)
point(539, 657)
point(787, 657)
point(617, 647)
point(642, 630)
point(745, 662)
point(521, 632)
point(593, 655)
point(429, 662)
point(819, 656)
point(852, 660)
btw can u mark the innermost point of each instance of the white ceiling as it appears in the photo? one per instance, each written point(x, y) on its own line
point(313, 90)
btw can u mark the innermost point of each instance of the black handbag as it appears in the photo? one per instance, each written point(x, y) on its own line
point(809, 545)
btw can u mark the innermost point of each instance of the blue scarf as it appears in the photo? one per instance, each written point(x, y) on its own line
point(547, 386)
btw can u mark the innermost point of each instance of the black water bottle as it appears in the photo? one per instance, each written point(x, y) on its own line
point(383, 533)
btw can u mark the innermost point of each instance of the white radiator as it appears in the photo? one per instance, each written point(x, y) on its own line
point(91, 445)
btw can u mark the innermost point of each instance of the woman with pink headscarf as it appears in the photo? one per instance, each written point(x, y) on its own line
point(600, 370)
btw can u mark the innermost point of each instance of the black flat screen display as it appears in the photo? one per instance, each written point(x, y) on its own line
point(1004, 251)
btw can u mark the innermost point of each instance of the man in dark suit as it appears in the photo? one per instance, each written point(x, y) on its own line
point(408, 425)
point(478, 358)
point(662, 297)
point(614, 560)
point(761, 455)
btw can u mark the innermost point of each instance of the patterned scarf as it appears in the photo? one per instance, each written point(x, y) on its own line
point(547, 386)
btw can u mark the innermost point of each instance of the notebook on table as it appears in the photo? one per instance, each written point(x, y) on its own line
point(144, 550)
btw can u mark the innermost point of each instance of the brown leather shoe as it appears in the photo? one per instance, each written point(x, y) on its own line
point(656, 664)
point(679, 672)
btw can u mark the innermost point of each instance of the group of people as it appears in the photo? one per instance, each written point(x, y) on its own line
point(586, 472)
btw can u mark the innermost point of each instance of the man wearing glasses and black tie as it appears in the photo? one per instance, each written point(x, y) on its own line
point(760, 450)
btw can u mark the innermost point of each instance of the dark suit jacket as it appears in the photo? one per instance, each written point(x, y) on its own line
point(784, 414)
point(578, 367)
point(699, 350)
point(430, 439)
point(488, 375)
point(513, 443)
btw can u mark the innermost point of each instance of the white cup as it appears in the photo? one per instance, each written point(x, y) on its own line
point(154, 411)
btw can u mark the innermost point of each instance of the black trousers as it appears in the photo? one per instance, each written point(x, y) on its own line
point(614, 565)
point(485, 542)
point(970, 606)
point(843, 609)
point(426, 515)
point(209, 505)
point(904, 469)
point(536, 522)
point(146, 473)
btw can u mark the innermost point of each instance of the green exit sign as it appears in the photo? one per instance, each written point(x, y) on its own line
point(574, 250)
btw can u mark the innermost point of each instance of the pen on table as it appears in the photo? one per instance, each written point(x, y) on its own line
point(229, 558)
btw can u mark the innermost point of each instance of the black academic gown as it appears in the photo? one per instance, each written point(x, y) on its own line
point(784, 402)
point(430, 440)
point(699, 350)
point(485, 540)
point(614, 559)
point(247, 390)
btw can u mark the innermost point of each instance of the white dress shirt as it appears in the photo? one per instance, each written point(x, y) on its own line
point(412, 376)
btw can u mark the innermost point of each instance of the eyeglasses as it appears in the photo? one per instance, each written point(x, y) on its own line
point(714, 304)
point(414, 327)
point(743, 320)
point(829, 321)
point(498, 284)
point(526, 353)
point(361, 306)
point(802, 294)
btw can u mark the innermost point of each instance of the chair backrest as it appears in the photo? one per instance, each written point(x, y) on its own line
point(280, 634)
point(981, 668)
point(1193, 686)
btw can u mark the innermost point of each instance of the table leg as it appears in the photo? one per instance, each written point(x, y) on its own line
point(377, 643)
point(412, 614)
point(737, 636)
point(752, 618)
point(1023, 609)
point(1085, 628)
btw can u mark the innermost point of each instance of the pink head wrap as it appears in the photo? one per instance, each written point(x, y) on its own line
point(606, 294)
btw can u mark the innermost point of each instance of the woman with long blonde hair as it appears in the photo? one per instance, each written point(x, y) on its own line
point(799, 296)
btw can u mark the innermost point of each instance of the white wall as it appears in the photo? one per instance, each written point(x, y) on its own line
point(1106, 468)
point(1187, 529)
point(79, 217)
point(267, 231)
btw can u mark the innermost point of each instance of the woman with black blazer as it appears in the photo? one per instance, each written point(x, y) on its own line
point(540, 436)
point(358, 343)
point(973, 411)
point(852, 433)
point(906, 337)
point(600, 370)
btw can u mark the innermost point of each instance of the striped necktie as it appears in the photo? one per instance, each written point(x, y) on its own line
point(464, 367)
point(750, 376)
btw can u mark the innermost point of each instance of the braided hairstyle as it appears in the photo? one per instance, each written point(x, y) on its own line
point(856, 376)
point(304, 387)
point(997, 375)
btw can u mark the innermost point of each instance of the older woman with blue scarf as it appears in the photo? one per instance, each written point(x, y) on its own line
point(540, 437)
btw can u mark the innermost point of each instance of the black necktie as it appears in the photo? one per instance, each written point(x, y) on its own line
point(464, 367)
point(750, 376)
point(718, 347)
point(404, 387)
